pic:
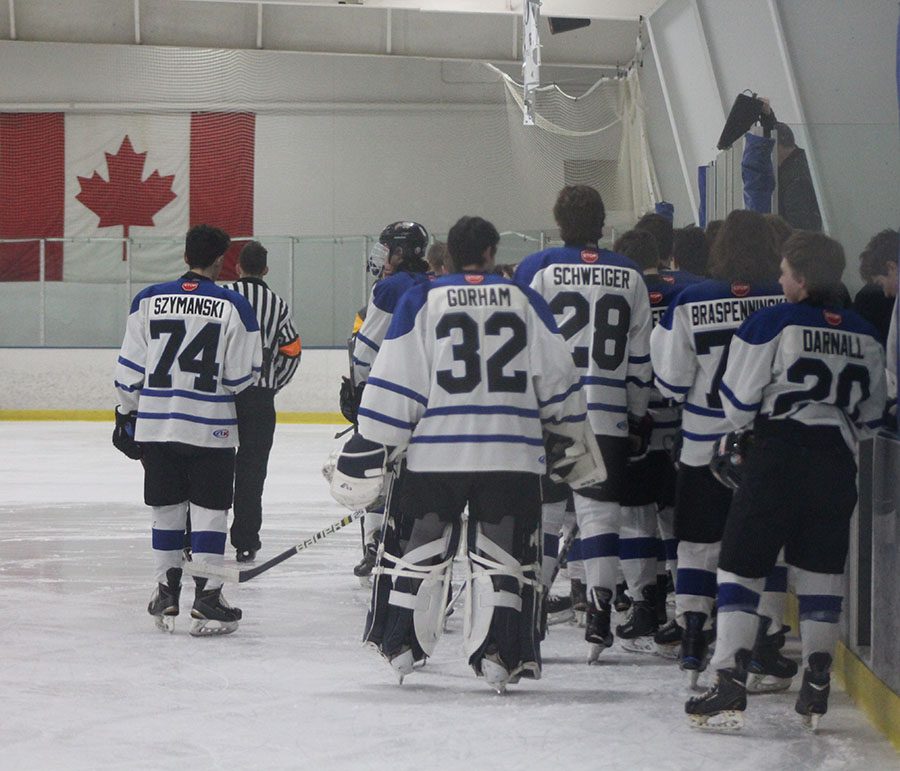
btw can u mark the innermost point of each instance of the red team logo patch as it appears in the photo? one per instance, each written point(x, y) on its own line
point(740, 290)
point(832, 318)
point(668, 279)
point(189, 286)
point(656, 298)
point(474, 278)
point(590, 257)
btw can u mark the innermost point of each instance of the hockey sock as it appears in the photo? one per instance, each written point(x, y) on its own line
point(168, 537)
point(820, 597)
point(373, 521)
point(737, 623)
point(695, 584)
point(638, 547)
point(208, 537)
point(665, 520)
point(552, 516)
point(598, 524)
point(774, 597)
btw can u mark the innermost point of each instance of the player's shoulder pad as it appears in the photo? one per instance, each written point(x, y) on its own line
point(843, 319)
point(407, 308)
point(387, 292)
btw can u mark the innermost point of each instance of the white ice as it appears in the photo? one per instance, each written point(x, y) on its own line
point(89, 683)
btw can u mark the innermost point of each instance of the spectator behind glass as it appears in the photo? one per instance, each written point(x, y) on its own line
point(797, 201)
point(878, 268)
point(690, 250)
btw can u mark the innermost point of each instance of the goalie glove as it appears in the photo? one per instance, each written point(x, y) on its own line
point(575, 462)
point(123, 435)
point(358, 478)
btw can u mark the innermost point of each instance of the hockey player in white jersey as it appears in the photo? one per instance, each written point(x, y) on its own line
point(475, 380)
point(689, 348)
point(809, 376)
point(190, 346)
point(398, 260)
point(600, 303)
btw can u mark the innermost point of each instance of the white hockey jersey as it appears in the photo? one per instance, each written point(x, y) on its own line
point(470, 369)
point(689, 348)
point(600, 303)
point(189, 347)
point(382, 302)
point(818, 366)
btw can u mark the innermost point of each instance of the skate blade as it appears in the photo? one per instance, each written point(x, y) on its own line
point(668, 651)
point(594, 653)
point(495, 674)
point(639, 645)
point(202, 627)
point(403, 664)
point(767, 683)
point(165, 623)
point(561, 617)
point(727, 720)
point(811, 722)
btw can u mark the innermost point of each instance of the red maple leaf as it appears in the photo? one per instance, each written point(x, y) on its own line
point(126, 199)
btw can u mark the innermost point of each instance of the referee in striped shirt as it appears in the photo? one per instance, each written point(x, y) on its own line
point(256, 405)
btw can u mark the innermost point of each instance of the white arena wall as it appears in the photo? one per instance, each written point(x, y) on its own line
point(80, 380)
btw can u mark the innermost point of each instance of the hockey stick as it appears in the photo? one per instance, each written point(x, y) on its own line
point(238, 576)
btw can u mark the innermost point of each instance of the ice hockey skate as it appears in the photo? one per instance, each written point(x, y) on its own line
point(769, 671)
point(212, 614)
point(637, 633)
point(721, 707)
point(623, 600)
point(668, 640)
point(812, 701)
point(495, 674)
point(597, 631)
point(579, 601)
point(403, 663)
point(164, 602)
point(694, 646)
point(366, 565)
point(559, 609)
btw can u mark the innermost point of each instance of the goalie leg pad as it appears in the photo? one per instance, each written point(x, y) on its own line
point(552, 515)
point(414, 600)
point(503, 597)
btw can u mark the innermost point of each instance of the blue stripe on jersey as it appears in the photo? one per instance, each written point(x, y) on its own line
point(729, 394)
point(605, 381)
point(601, 407)
point(701, 437)
point(386, 293)
point(477, 439)
point(639, 359)
point(638, 382)
point(568, 255)
point(761, 328)
point(189, 418)
point(131, 365)
point(167, 540)
point(365, 341)
point(205, 287)
point(187, 395)
point(561, 397)
point(472, 409)
point(359, 362)
point(130, 389)
point(674, 388)
point(708, 412)
point(387, 419)
point(238, 381)
point(819, 607)
point(398, 389)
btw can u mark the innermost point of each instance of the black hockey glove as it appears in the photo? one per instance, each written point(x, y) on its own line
point(350, 398)
point(123, 435)
point(730, 457)
point(639, 430)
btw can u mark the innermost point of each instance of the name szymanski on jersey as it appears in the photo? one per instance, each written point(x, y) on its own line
point(600, 303)
point(189, 347)
point(690, 349)
point(471, 368)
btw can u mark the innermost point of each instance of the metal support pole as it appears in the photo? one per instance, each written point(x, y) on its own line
point(42, 277)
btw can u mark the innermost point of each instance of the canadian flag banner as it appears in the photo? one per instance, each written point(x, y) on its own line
point(140, 176)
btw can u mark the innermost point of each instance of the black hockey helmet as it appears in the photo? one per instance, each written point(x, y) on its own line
point(410, 238)
point(730, 457)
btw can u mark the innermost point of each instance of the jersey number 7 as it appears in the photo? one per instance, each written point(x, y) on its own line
point(198, 356)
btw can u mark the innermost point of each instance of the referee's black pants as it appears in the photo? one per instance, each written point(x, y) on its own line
point(256, 429)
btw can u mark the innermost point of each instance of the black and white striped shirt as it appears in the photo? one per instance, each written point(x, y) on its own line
point(280, 341)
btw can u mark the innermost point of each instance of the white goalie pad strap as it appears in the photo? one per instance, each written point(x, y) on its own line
point(402, 599)
point(501, 599)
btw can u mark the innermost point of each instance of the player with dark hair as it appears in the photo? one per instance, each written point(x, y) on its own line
point(689, 348)
point(809, 376)
point(190, 347)
point(797, 201)
point(470, 376)
point(690, 250)
point(663, 233)
point(600, 302)
point(256, 405)
point(398, 258)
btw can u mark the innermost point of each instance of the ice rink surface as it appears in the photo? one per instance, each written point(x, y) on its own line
point(89, 683)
